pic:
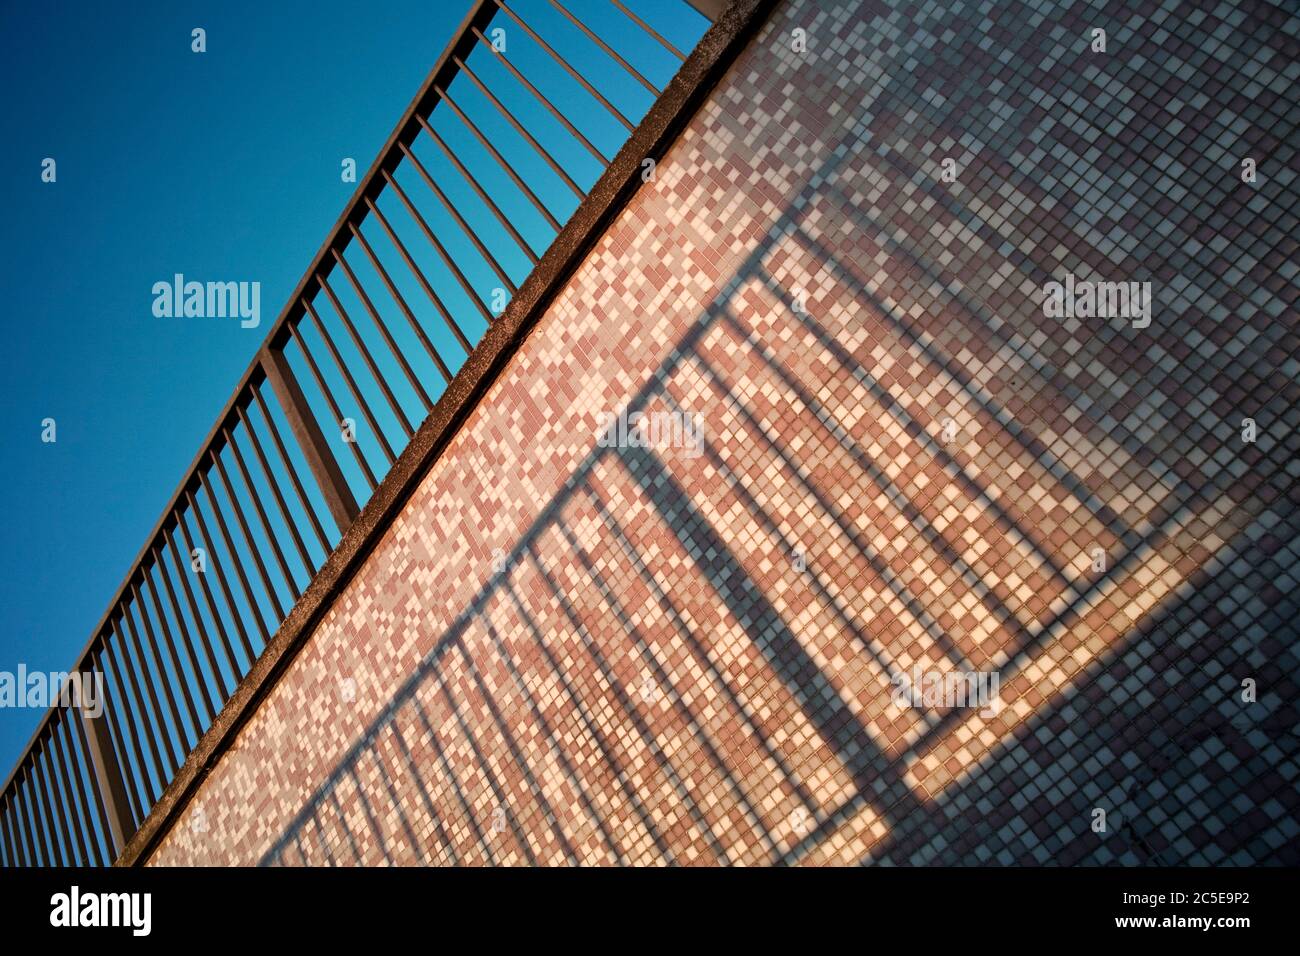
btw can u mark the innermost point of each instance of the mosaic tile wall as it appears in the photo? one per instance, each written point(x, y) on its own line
point(687, 653)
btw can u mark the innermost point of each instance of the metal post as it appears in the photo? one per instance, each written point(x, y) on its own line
point(305, 428)
point(108, 778)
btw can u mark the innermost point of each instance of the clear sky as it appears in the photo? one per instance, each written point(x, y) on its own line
point(222, 165)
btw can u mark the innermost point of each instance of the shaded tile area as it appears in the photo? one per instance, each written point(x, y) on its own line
point(688, 651)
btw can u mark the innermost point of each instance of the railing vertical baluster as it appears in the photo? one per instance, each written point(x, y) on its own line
point(35, 832)
point(419, 274)
point(114, 747)
point(505, 166)
point(108, 777)
point(137, 719)
point(186, 642)
point(5, 839)
point(254, 606)
point(193, 605)
point(21, 822)
point(254, 497)
point(74, 850)
point(155, 725)
point(17, 855)
point(253, 549)
point(290, 385)
point(14, 824)
point(477, 187)
point(47, 801)
point(87, 782)
point(68, 726)
point(366, 357)
point(609, 50)
point(151, 645)
point(542, 98)
point(518, 127)
point(66, 826)
point(648, 29)
point(564, 64)
point(12, 856)
point(169, 641)
point(397, 297)
point(18, 826)
point(208, 599)
point(465, 228)
point(55, 749)
point(387, 336)
point(338, 493)
point(274, 485)
point(108, 792)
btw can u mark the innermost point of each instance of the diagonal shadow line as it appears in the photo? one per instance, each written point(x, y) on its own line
point(701, 652)
point(943, 548)
point(502, 801)
point(1064, 618)
point(698, 732)
point(978, 494)
point(757, 511)
point(1046, 458)
point(534, 786)
point(370, 815)
point(338, 810)
point(549, 513)
point(1182, 493)
point(989, 764)
point(409, 759)
point(629, 708)
point(961, 213)
point(574, 779)
point(838, 726)
point(311, 811)
point(453, 636)
point(480, 837)
point(591, 726)
point(1182, 735)
point(393, 798)
point(320, 837)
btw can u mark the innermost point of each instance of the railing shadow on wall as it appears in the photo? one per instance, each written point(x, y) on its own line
point(472, 760)
point(494, 729)
point(471, 188)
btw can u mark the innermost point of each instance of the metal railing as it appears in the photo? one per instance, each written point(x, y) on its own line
point(470, 189)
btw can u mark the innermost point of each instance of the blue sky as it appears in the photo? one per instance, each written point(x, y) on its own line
point(223, 165)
